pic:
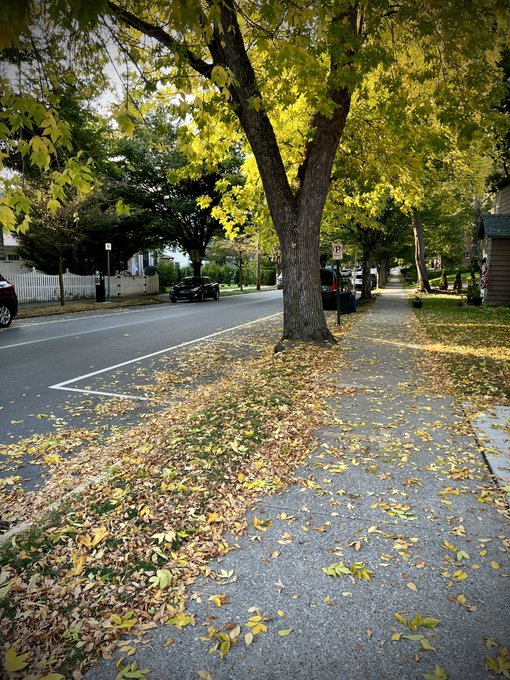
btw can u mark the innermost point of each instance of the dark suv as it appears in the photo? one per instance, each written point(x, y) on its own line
point(8, 302)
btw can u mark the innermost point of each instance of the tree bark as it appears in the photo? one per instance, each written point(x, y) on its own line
point(423, 284)
point(382, 272)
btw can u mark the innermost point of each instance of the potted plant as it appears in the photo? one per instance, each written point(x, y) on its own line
point(457, 284)
point(473, 293)
point(417, 301)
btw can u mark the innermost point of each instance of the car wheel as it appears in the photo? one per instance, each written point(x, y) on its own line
point(200, 296)
point(5, 316)
point(217, 294)
point(173, 299)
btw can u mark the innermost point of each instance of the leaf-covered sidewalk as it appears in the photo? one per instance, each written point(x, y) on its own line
point(387, 558)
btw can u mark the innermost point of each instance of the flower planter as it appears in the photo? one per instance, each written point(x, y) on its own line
point(474, 301)
point(418, 303)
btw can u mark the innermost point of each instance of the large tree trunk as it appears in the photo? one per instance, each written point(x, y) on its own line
point(303, 315)
point(382, 272)
point(423, 284)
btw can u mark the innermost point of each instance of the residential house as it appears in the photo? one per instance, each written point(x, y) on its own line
point(494, 233)
point(10, 261)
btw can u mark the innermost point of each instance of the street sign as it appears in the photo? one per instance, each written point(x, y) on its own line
point(107, 246)
point(338, 251)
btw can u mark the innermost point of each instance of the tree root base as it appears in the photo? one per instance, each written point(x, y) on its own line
point(285, 343)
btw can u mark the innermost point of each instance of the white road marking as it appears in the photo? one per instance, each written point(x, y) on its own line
point(64, 385)
point(101, 394)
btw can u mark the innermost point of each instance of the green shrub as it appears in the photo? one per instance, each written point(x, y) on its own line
point(472, 290)
point(221, 273)
point(169, 273)
point(457, 284)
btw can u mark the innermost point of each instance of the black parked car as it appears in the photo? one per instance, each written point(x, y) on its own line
point(195, 288)
point(329, 287)
point(8, 302)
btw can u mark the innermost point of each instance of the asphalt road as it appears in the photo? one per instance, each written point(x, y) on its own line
point(54, 370)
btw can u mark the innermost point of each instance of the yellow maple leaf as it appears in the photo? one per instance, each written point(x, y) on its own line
point(13, 661)
point(96, 536)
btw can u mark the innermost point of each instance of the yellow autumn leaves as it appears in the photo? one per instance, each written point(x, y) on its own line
point(17, 662)
point(357, 570)
point(224, 638)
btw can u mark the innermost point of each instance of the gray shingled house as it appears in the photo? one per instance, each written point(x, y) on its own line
point(494, 233)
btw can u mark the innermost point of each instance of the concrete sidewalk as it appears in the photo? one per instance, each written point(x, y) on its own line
point(397, 484)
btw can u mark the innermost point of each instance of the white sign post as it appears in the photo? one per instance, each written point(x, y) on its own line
point(338, 251)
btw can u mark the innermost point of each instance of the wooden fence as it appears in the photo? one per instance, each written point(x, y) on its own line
point(38, 287)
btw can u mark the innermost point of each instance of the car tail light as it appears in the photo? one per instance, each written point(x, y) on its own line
point(333, 287)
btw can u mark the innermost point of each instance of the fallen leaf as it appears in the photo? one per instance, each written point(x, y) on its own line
point(13, 661)
point(218, 600)
point(205, 675)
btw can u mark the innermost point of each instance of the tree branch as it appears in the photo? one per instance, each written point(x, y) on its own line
point(156, 32)
point(321, 149)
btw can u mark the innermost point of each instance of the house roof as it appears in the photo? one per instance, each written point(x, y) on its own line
point(503, 183)
point(10, 240)
point(494, 226)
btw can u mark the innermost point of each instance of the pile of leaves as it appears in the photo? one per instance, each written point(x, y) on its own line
point(118, 556)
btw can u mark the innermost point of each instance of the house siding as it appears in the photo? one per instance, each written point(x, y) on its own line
point(502, 206)
point(498, 252)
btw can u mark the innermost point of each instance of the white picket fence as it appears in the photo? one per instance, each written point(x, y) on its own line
point(38, 287)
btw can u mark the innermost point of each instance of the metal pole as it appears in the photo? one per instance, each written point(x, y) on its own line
point(258, 259)
point(338, 292)
point(108, 268)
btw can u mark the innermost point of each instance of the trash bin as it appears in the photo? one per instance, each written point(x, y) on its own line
point(345, 303)
point(100, 288)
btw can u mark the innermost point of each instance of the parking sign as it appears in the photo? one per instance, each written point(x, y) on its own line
point(338, 251)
